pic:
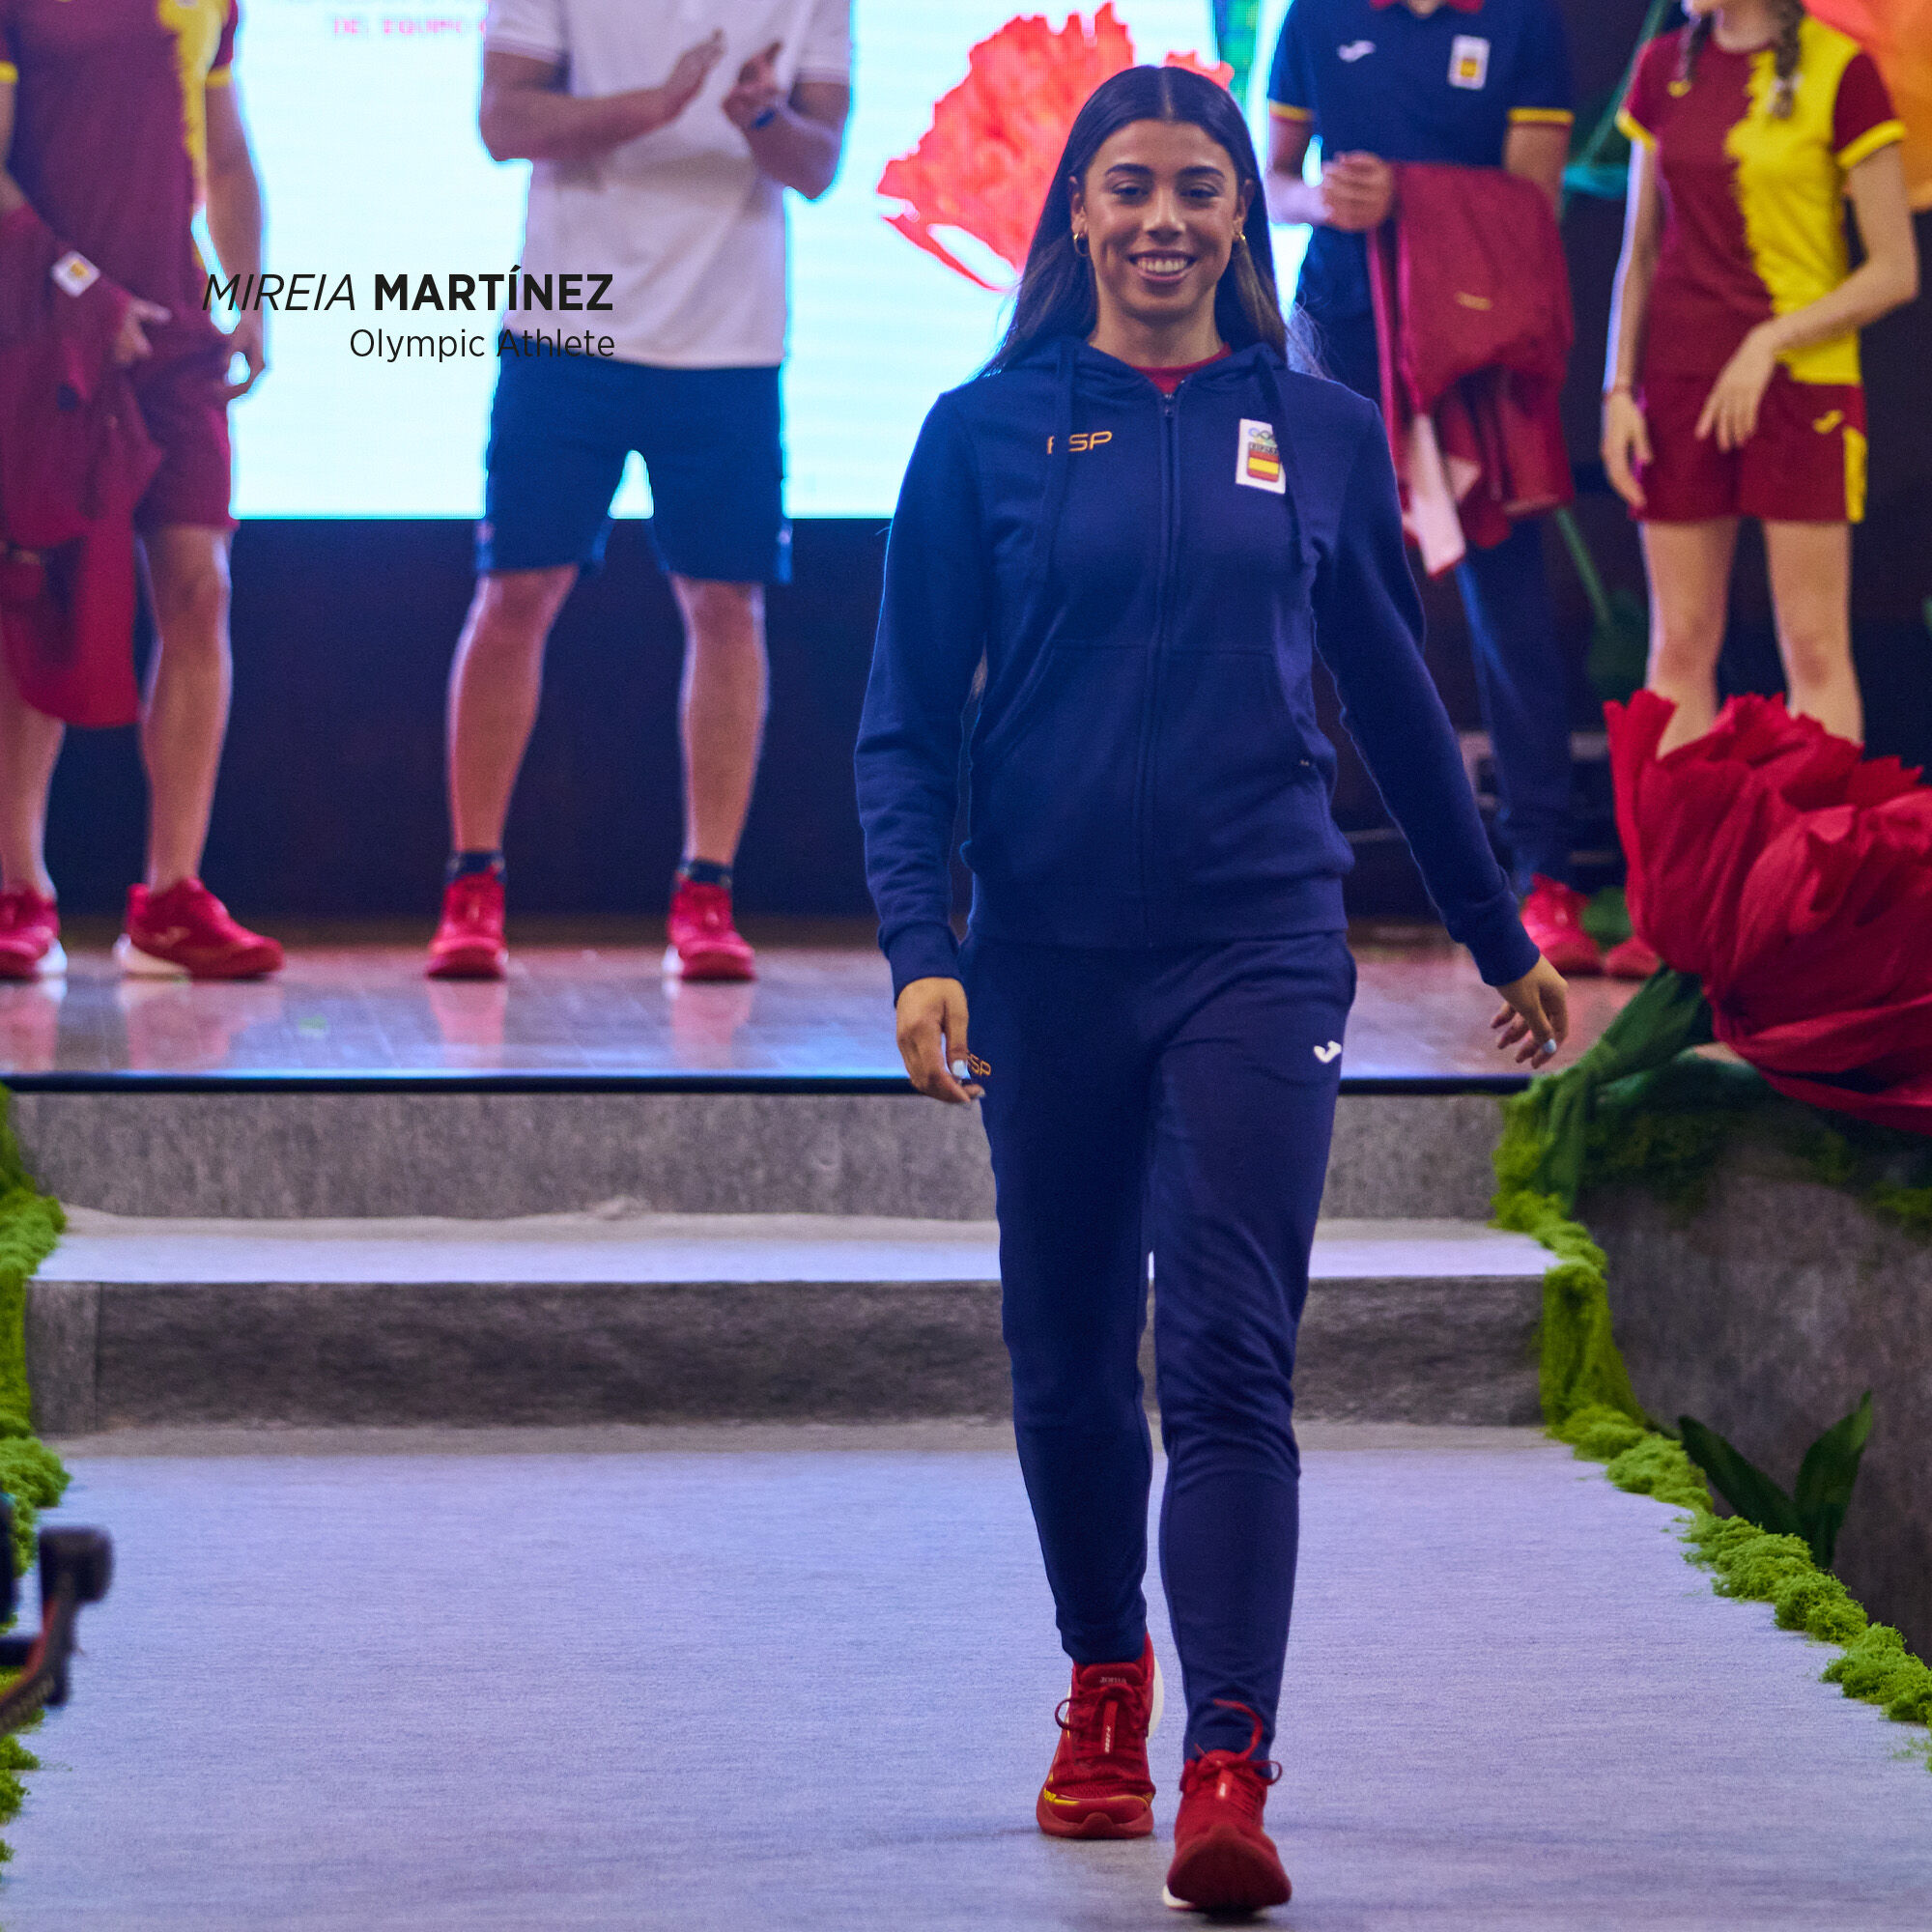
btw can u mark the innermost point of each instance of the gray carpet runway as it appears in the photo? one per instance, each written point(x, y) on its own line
point(805, 1678)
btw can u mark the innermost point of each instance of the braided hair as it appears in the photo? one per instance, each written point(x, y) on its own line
point(1790, 17)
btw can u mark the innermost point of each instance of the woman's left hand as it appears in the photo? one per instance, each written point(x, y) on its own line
point(1730, 410)
point(1537, 1011)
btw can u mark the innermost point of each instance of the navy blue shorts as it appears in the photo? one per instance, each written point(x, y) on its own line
point(560, 430)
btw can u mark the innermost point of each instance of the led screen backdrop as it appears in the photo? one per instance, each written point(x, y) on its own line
point(364, 126)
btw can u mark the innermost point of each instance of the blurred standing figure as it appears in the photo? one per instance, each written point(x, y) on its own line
point(1478, 84)
point(1732, 387)
point(118, 119)
point(666, 174)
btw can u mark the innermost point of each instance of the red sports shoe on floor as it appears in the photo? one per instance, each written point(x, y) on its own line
point(1552, 916)
point(704, 944)
point(469, 944)
point(1223, 1861)
point(1632, 960)
point(30, 947)
point(186, 933)
point(1098, 1786)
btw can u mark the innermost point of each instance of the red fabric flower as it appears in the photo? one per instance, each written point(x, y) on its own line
point(984, 163)
point(1794, 878)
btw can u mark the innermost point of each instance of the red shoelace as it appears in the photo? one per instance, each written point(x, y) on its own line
point(1237, 1776)
point(1093, 1717)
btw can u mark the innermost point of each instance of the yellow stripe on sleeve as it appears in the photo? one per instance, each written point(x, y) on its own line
point(9, 72)
point(1282, 111)
point(219, 76)
point(1634, 130)
point(1869, 143)
point(1541, 117)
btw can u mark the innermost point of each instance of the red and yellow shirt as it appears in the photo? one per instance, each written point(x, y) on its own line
point(1754, 206)
point(111, 129)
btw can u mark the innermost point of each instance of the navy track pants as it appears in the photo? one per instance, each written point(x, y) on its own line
point(1175, 1103)
point(1522, 677)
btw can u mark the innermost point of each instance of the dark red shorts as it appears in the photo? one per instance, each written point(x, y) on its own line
point(179, 393)
point(1804, 464)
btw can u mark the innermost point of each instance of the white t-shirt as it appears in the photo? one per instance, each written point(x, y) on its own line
point(690, 230)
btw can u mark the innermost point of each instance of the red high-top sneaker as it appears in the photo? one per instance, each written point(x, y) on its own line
point(1552, 914)
point(1223, 1861)
point(469, 944)
point(704, 943)
point(1098, 1786)
point(186, 933)
point(30, 947)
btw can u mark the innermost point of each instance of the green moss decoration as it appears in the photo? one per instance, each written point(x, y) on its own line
point(1639, 1108)
point(30, 1473)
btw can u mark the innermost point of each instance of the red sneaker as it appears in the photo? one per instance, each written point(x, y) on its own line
point(30, 947)
point(469, 944)
point(186, 933)
point(1633, 959)
point(1223, 1861)
point(1098, 1785)
point(1552, 916)
point(704, 944)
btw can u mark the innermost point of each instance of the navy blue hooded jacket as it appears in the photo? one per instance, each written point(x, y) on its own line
point(1146, 579)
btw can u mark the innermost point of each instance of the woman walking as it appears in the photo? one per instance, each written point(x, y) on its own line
point(1733, 386)
point(1137, 523)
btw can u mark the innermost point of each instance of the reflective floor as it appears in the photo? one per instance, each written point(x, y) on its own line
point(817, 1010)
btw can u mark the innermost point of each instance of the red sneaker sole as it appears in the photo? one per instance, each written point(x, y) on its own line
point(1224, 1871)
point(702, 966)
point(1095, 1825)
point(468, 966)
point(138, 963)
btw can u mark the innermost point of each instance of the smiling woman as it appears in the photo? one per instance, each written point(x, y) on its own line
point(1141, 521)
point(1131, 152)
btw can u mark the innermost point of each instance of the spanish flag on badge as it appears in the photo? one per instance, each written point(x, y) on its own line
point(1257, 460)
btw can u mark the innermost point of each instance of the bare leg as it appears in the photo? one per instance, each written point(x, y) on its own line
point(1689, 570)
point(495, 684)
point(722, 710)
point(1812, 592)
point(186, 717)
point(30, 743)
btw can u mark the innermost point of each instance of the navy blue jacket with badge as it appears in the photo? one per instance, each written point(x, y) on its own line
point(1146, 579)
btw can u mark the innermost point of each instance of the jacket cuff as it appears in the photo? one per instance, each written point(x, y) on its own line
point(1502, 949)
point(923, 950)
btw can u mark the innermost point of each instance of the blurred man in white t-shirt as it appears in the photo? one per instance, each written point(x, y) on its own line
point(664, 134)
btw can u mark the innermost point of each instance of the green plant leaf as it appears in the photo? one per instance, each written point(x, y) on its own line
point(1825, 1478)
point(1741, 1484)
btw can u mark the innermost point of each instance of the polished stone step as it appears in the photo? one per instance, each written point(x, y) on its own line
point(579, 1319)
point(792, 1150)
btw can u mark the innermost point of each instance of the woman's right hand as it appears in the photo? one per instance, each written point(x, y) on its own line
point(932, 1037)
point(1625, 445)
point(130, 340)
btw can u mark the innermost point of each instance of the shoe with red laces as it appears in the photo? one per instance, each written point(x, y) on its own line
point(704, 944)
point(1552, 914)
point(186, 933)
point(1632, 960)
point(1098, 1786)
point(1223, 1861)
point(469, 944)
point(30, 947)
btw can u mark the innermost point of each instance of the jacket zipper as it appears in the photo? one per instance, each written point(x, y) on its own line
point(1169, 523)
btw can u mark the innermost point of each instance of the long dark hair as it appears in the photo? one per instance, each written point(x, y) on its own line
point(1055, 295)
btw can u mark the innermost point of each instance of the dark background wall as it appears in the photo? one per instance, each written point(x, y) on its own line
point(331, 804)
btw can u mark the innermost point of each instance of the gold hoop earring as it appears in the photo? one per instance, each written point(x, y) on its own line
point(1080, 244)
